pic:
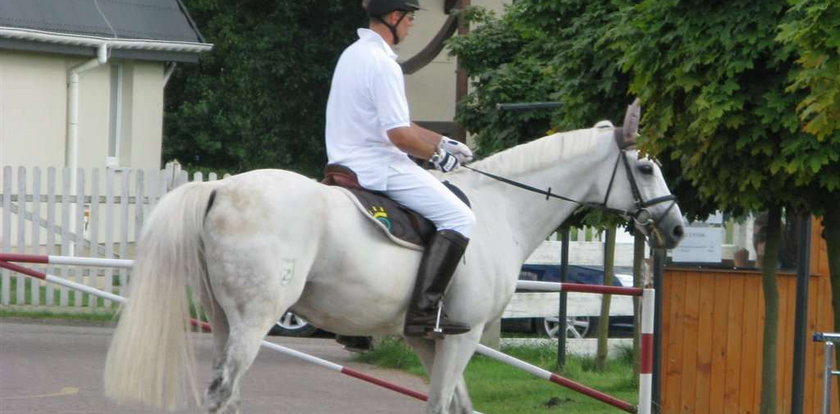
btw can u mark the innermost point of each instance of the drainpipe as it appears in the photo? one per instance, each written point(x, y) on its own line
point(71, 154)
point(170, 67)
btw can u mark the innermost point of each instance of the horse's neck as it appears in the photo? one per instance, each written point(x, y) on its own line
point(530, 217)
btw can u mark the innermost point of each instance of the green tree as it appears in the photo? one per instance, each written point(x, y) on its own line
point(258, 99)
point(539, 51)
point(740, 100)
point(545, 50)
point(715, 81)
point(812, 28)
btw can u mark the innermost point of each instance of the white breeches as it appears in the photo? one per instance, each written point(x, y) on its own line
point(420, 191)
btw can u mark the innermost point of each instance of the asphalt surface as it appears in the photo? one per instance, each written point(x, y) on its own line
point(52, 368)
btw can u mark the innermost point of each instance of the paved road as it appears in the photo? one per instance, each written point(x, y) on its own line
point(48, 368)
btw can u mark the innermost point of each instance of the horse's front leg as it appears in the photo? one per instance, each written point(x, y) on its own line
point(461, 402)
point(425, 349)
point(451, 357)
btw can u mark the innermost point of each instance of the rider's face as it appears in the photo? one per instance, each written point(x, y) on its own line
point(405, 24)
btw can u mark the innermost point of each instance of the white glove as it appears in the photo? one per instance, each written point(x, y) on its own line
point(457, 149)
point(444, 161)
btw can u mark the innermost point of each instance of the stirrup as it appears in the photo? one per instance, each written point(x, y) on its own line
point(438, 330)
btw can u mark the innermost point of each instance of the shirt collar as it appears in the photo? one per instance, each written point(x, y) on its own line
point(368, 35)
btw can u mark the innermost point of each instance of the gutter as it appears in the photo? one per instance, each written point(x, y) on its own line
point(96, 42)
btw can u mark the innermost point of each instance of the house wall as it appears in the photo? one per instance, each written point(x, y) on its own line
point(431, 90)
point(33, 98)
point(33, 111)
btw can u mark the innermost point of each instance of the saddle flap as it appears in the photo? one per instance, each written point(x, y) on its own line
point(337, 174)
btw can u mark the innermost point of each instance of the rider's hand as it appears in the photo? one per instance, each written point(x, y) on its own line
point(457, 149)
point(444, 161)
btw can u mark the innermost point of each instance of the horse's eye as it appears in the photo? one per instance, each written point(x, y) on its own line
point(646, 169)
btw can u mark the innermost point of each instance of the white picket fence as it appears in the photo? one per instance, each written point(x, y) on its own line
point(97, 213)
point(89, 213)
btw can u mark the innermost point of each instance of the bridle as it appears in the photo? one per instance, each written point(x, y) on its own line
point(640, 214)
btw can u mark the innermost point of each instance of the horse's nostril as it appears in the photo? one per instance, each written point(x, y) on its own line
point(678, 231)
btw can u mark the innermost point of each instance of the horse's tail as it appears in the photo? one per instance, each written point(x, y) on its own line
point(151, 359)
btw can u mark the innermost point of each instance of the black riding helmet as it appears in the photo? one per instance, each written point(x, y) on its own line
point(378, 8)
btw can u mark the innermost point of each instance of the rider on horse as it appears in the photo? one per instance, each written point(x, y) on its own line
point(368, 129)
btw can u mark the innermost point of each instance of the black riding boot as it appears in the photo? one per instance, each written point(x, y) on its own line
point(436, 268)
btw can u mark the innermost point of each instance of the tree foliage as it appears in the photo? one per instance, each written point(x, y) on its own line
point(539, 51)
point(258, 99)
point(812, 27)
point(740, 97)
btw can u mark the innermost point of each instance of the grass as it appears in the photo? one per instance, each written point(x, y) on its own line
point(498, 388)
point(27, 309)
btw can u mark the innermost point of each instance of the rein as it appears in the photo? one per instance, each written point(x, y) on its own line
point(641, 204)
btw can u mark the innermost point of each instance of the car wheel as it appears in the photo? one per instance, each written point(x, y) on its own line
point(576, 326)
point(293, 325)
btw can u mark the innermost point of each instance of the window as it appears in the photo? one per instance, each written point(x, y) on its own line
point(115, 116)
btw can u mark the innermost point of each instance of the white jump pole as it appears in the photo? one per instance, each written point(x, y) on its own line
point(67, 260)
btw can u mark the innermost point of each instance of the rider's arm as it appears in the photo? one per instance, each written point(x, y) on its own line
point(415, 140)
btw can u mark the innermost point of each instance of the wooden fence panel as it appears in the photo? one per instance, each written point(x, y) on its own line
point(712, 341)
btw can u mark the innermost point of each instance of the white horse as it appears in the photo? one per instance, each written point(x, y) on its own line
point(259, 243)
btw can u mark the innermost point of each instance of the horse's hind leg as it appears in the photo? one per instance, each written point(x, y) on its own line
point(252, 301)
point(223, 393)
point(218, 321)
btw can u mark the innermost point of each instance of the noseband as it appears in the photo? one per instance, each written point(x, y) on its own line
point(641, 215)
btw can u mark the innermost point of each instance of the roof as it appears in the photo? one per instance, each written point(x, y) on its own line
point(138, 29)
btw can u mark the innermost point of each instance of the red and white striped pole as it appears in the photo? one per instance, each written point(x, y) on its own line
point(550, 376)
point(5, 263)
point(646, 369)
point(66, 260)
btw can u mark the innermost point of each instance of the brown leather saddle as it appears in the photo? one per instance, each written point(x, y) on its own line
point(403, 223)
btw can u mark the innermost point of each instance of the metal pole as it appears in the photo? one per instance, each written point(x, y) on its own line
point(658, 263)
point(562, 323)
point(527, 106)
point(800, 327)
point(828, 367)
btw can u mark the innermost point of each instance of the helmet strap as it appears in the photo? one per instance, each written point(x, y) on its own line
point(393, 28)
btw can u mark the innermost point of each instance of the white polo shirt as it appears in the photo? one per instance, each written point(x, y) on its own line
point(367, 98)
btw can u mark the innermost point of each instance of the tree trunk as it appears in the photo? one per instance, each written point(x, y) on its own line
point(769, 386)
point(604, 319)
point(831, 234)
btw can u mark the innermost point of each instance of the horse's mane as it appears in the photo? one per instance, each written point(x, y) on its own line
point(541, 152)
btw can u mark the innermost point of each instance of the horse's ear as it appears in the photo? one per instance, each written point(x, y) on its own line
point(626, 135)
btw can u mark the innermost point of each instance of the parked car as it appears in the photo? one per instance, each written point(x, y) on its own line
point(575, 327)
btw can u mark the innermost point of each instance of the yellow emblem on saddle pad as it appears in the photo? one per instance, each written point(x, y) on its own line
point(381, 215)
